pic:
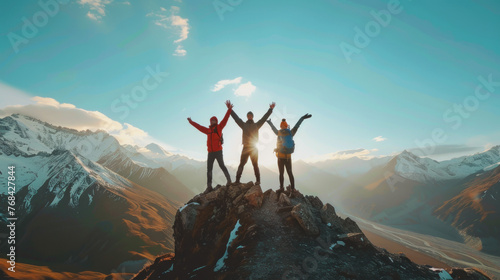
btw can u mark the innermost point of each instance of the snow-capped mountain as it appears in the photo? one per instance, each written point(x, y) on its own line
point(70, 195)
point(67, 177)
point(413, 167)
point(410, 181)
point(427, 170)
point(82, 184)
point(406, 191)
point(26, 137)
point(153, 155)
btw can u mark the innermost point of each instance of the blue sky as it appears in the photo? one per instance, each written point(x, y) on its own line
point(416, 66)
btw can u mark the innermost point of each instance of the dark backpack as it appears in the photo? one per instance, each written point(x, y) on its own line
point(286, 145)
point(221, 139)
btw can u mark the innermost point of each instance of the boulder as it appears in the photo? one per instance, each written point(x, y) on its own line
point(284, 200)
point(305, 219)
point(315, 201)
point(188, 215)
point(233, 191)
point(328, 214)
point(254, 196)
point(357, 240)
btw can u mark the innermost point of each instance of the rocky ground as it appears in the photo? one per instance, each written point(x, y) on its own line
point(241, 232)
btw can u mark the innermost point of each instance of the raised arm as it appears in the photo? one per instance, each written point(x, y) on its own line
point(201, 128)
point(297, 125)
point(226, 117)
point(275, 130)
point(266, 115)
point(237, 119)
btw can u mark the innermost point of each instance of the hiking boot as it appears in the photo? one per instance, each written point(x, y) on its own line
point(291, 191)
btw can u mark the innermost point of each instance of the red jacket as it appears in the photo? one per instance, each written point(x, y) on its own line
point(213, 136)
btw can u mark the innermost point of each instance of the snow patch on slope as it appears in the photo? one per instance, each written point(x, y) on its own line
point(221, 262)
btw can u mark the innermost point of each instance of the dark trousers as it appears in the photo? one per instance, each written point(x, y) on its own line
point(282, 164)
point(212, 156)
point(252, 153)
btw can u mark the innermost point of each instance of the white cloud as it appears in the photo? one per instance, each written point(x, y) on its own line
point(182, 23)
point(173, 20)
point(97, 8)
point(68, 115)
point(180, 51)
point(92, 16)
point(379, 139)
point(63, 114)
point(131, 135)
point(222, 83)
point(15, 96)
point(245, 89)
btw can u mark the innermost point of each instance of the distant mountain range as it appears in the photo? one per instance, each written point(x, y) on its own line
point(82, 184)
point(454, 199)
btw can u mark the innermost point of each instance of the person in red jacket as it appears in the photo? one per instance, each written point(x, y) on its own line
point(214, 144)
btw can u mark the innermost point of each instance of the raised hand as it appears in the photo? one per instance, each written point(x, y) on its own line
point(229, 105)
point(272, 105)
point(189, 119)
point(307, 116)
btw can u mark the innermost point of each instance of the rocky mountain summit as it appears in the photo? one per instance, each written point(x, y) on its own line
point(241, 232)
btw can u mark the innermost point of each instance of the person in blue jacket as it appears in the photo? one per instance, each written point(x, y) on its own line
point(284, 149)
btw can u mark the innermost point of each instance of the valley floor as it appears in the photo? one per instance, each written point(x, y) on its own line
point(426, 249)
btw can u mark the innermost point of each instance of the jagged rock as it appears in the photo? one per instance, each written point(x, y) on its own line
point(163, 263)
point(254, 196)
point(284, 200)
point(233, 191)
point(271, 194)
point(188, 215)
point(315, 201)
point(238, 232)
point(351, 225)
point(466, 273)
point(328, 214)
point(304, 216)
point(357, 240)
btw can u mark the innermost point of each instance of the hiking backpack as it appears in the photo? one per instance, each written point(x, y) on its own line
point(221, 139)
point(286, 145)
